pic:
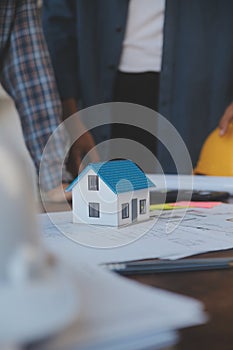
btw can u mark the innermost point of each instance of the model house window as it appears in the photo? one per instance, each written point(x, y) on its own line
point(94, 210)
point(143, 206)
point(125, 210)
point(93, 183)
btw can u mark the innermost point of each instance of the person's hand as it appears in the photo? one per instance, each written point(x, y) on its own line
point(85, 144)
point(226, 119)
point(57, 194)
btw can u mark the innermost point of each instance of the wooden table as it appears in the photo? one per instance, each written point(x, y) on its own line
point(213, 288)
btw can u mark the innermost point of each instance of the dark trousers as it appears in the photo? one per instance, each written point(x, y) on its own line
point(142, 89)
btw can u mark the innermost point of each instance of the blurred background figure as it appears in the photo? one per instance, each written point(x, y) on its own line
point(174, 56)
point(27, 76)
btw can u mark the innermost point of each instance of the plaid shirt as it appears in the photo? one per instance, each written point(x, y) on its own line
point(27, 76)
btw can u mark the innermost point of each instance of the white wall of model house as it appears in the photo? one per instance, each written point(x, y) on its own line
point(81, 197)
point(110, 204)
point(128, 198)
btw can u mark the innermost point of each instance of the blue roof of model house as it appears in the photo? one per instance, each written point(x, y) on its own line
point(119, 175)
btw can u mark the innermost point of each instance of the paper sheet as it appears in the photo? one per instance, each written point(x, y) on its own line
point(196, 182)
point(100, 236)
point(115, 312)
point(201, 230)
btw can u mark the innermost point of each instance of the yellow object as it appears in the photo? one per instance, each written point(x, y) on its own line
point(166, 206)
point(216, 157)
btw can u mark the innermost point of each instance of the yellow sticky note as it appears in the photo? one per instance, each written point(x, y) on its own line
point(165, 206)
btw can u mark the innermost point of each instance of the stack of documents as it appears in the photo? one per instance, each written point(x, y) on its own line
point(116, 313)
point(119, 314)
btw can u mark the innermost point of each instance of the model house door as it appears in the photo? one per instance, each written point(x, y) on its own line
point(134, 209)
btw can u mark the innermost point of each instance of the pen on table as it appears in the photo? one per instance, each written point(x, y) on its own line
point(158, 266)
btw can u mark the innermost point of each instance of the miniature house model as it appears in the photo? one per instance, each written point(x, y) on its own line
point(112, 193)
